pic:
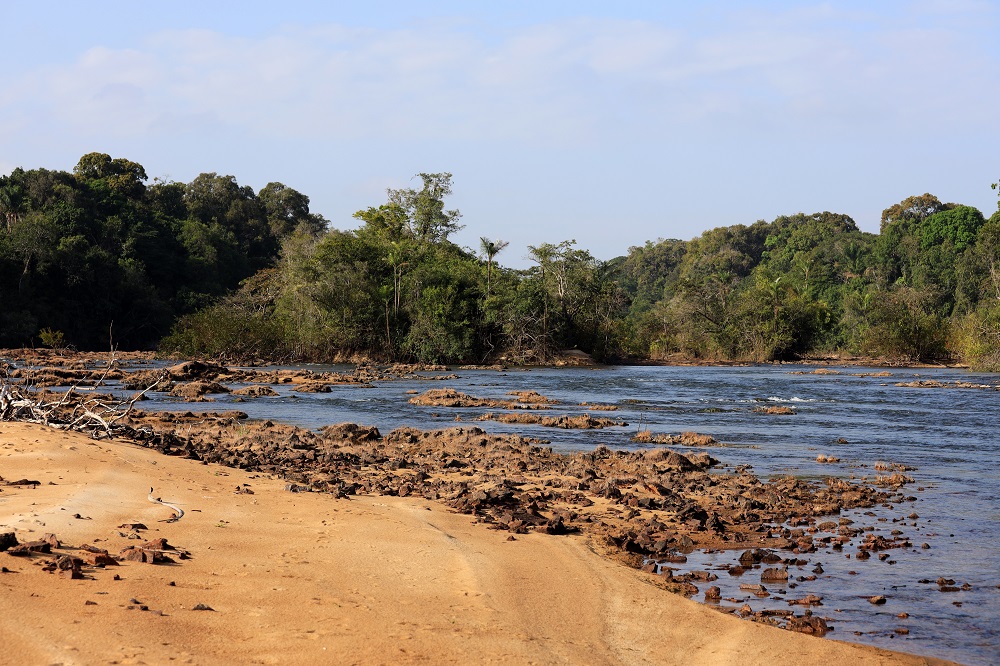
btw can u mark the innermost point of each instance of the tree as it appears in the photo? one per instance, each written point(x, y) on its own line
point(490, 248)
point(214, 200)
point(288, 210)
point(912, 209)
point(958, 225)
point(426, 216)
point(121, 176)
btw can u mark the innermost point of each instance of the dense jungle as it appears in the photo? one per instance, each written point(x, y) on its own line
point(103, 256)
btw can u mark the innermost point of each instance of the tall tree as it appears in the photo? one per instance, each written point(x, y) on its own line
point(490, 248)
point(426, 216)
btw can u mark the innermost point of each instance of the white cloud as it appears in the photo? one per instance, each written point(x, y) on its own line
point(569, 80)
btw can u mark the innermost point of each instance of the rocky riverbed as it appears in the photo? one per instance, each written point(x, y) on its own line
point(656, 509)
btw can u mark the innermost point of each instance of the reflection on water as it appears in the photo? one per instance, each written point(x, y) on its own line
point(949, 435)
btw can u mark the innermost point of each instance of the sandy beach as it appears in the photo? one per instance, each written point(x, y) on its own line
point(307, 578)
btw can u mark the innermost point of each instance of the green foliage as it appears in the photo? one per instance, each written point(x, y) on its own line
point(52, 339)
point(97, 249)
point(977, 338)
point(899, 324)
point(239, 328)
point(241, 275)
point(424, 211)
point(958, 226)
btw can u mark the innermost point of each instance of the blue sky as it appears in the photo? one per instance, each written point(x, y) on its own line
point(608, 123)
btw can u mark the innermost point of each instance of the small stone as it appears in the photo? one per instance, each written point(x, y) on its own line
point(877, 600)
point(202, 607)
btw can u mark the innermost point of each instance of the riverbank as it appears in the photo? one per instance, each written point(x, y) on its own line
point(568, 358)
point(307, 578)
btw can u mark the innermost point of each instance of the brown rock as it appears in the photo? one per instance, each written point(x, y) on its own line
point(808, 625)
point(773, 575)
point(69, 567)
point(189, 370)
point(137, 554)
point(157, 544)
point(133, 526)
point(98, 558)
point(7, 540)
point(197, 389)
point(256, 391)
point(30, 547)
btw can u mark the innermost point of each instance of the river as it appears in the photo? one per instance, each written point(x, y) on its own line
point(950, 436)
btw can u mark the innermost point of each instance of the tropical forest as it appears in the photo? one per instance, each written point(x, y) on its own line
point(102, 255)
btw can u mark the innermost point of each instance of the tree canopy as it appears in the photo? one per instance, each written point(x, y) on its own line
point(212, 267)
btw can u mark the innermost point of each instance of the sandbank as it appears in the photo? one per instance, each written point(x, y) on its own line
point(304, 578)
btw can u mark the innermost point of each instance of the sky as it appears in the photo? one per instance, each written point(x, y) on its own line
point(611, 124)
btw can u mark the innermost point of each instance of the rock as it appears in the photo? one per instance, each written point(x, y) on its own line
point(157, 544)
point(256, 391)
point(808, 625)
point(69, 567)
point(773, 575)
point(197, 389)
point(313, 387)
point(189, 370)
point(97, 557)
point(202, 607)
point(877, 600)
point(748, 587)
point(713, 593)
point(7, 540)
point(556, 526)
point(137, 554)
point(29, 547)
point(808, 600)
point(775, 410)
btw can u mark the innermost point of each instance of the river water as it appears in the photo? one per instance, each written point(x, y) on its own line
point(951, 436)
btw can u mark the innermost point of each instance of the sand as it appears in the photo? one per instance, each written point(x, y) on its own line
point(303, 578)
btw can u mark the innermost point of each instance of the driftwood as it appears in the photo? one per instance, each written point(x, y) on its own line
point(98, 414)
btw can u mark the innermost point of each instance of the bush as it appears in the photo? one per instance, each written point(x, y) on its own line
point(51, 338)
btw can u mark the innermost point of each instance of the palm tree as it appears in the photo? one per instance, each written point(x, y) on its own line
point(491, 249)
